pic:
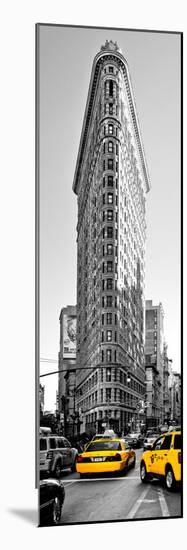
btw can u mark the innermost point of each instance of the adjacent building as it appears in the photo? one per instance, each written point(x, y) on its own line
point(166, 366)
point(111, 183)
point(175, 396)
point(67, 365)
point(154, 342)
point(41, 398)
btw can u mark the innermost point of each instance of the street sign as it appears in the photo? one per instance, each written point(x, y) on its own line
point(104, 424)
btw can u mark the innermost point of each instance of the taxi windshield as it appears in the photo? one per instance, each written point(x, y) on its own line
point(104, 446)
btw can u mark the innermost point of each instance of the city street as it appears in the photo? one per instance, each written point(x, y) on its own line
point(117, 498)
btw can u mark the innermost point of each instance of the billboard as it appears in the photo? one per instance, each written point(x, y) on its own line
point(69, 336)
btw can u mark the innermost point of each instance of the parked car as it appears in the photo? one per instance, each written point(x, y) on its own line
point(138, 438)
point(105, 455)
point(133, 438)
point(51, 496)
point(149, 440)
point(129, 441)
point(163, 460)
point(56, 454)
point(174, 428)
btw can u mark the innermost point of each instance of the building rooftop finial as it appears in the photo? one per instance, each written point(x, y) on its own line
point(110, 45)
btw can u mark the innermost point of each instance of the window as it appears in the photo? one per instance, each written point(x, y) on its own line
point(110, 146)
point(177, 441)
point(103, 446)
point(60, 443)
point(109, 232)
point(109, 266)
point(104, 165)
point(109, 215)
point(110, 129)
point(109, 301)
point(111, 69)
point(110, 109)
point(158, 443)
point(166, 443)
point(103, 198)
point(43, 444)
point(109, 335)
point(67, 444)
point(110, 164)
point(110, 198)
point(52, 443)
point(104, 148)
point(109, 318)
point(111, 87)
point(109, 284)
point(110, 181)
point(109, 359)
point(108, 394)
point(104, 182)
point(109, 249)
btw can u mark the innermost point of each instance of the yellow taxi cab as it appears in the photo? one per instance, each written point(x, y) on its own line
point(105, 455)
point(163, 460)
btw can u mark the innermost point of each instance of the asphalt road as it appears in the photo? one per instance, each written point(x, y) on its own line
point(117, 498)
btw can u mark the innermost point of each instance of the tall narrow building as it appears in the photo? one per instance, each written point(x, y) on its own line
point(111, 182)
point(154, 363)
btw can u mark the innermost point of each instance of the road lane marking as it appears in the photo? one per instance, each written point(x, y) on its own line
point(137, 504)
point(98, 479)
point(163, 503)
point(148, 500)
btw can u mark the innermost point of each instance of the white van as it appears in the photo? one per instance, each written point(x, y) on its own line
point(56, 454)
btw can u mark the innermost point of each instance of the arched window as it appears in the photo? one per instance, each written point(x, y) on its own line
point(111, 88)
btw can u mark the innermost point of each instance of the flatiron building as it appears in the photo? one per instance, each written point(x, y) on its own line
point(111, 182)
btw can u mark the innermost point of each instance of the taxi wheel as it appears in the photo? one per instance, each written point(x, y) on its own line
point(143, 473)
point(170, 479)
point(82, 476)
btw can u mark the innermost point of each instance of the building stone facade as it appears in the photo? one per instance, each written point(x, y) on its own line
point(111, 182)
point(154, 362)
point(175, 396)
point(67, 364)
point(166, 363)
point(41, 398)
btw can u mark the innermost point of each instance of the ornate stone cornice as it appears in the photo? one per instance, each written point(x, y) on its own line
point(111, 53)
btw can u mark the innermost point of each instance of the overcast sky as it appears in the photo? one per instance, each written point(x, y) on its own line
point(66, 56)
